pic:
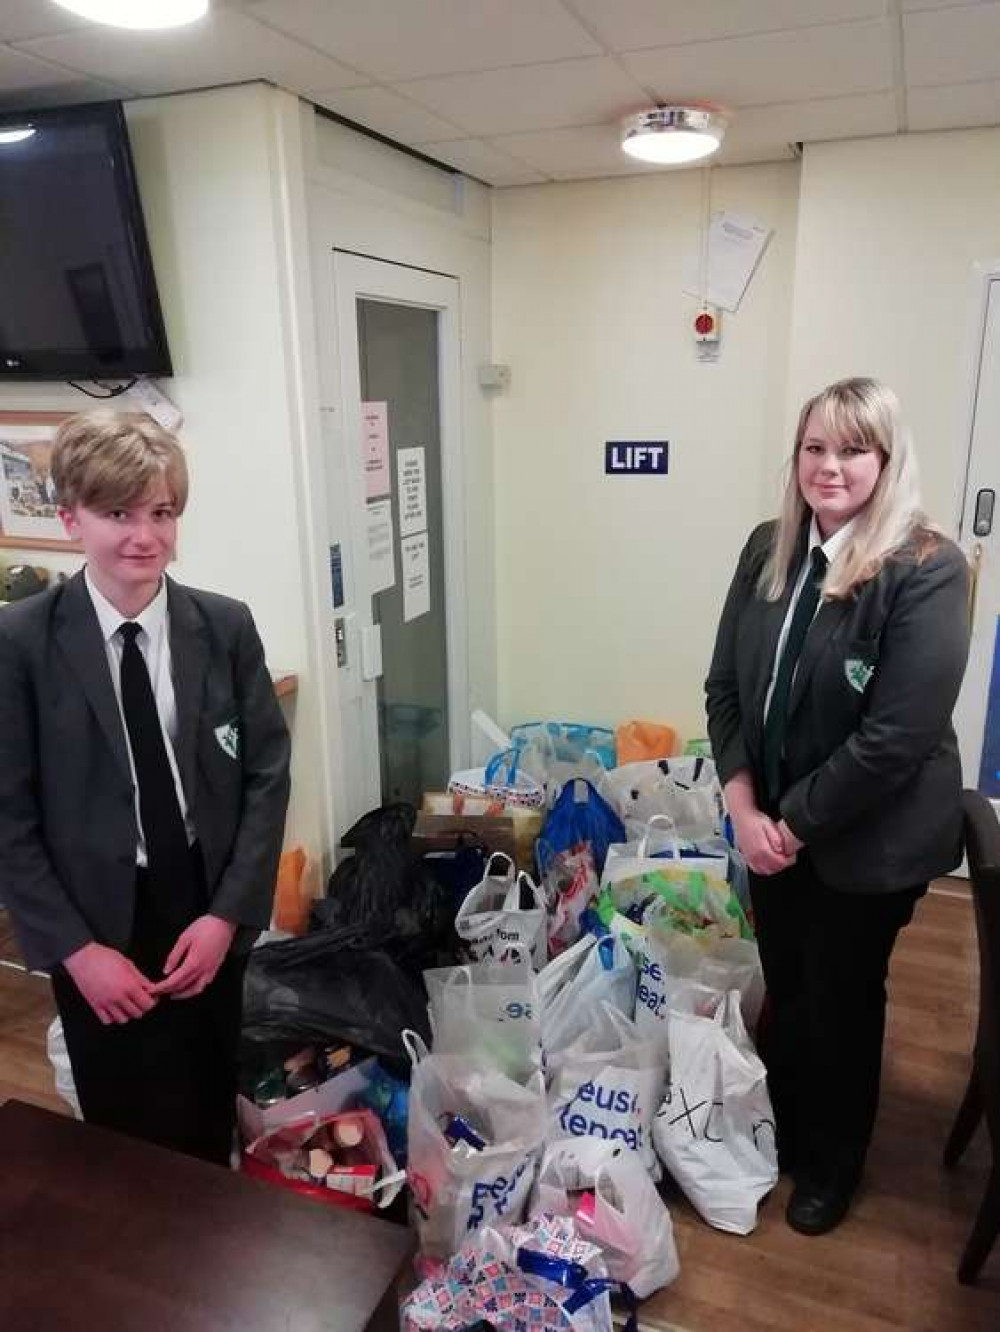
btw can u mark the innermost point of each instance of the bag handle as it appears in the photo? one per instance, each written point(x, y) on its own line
point(488, 871)
point(414, 1045)
point(671, 827)
point(513, 901)
point(493, 767)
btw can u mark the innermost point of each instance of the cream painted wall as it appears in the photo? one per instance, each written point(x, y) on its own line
point(609, 589)
point(889, 230)
point(208, 170)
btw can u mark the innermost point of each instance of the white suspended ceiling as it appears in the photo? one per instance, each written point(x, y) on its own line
point(517, 91)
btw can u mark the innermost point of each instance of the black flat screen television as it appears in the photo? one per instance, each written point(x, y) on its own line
point(78, 297)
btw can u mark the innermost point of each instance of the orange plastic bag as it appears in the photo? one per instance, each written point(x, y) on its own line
point(291, 900)
point(638, 740)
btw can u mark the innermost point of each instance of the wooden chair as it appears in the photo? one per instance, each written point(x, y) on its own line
point(982, 1096)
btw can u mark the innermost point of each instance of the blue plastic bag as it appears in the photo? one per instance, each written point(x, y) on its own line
point(579, 817)
point(567, 742)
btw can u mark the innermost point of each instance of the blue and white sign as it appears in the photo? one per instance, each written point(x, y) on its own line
point(636, 457)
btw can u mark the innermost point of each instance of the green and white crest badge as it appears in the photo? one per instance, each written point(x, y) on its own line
point(858, 673)
point(228, 736)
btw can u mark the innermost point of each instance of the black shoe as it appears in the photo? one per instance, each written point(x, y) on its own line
point(814, 1211)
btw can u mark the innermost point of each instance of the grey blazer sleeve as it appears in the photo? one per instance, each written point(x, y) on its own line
point(48, 925)
point(722, 699)
point(245, 891)
point(923, 651)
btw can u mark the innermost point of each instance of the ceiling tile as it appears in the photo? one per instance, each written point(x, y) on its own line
point(71, 91)
point(763, 129)
point(954, 106)
point(20, 19)
point(529, 97)
point(389, 113)
point(226, 47)
point(570, 154)
point(485, 162)
point(630, 25)
point(935, 4)
point(19, 70)
point(792, 66)
point(418, 38)
point(957, 45)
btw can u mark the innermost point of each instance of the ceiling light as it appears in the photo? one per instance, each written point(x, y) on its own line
point(17, 134)
point(673, 135)
point(138, 13)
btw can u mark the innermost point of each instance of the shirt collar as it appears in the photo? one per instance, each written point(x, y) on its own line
point(152, 619)
point(834, 544)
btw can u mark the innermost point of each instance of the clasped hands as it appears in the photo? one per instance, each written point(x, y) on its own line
point(117, 990)
point(768, 845)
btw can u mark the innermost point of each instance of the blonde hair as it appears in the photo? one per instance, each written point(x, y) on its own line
point(104, 459)
point(866, 412)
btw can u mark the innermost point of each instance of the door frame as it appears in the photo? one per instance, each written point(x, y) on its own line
point(984, 274)
point(355, 276)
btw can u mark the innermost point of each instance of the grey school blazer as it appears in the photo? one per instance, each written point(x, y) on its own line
point(872, 775)
point(67, 810)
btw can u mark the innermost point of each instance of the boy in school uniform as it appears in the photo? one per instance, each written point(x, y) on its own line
point(143, 788)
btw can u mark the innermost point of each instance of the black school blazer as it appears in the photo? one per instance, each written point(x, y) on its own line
point(67, 804)
point(873, 779)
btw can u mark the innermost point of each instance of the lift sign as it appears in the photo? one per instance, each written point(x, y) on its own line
point(636, 457)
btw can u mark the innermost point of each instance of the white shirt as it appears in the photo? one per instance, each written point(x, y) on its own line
point(154, 644)
point(831, 548)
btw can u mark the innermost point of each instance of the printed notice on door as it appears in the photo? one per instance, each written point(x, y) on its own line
point(412, 491)
point(375, 449)
point(416, 576)
point(381, 566)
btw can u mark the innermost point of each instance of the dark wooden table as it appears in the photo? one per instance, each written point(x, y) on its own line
point(100, 1233)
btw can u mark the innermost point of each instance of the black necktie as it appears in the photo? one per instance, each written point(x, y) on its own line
point(777, 714)
point(171, 874)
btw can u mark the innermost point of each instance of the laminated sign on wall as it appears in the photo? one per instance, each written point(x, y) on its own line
point(412, 491)
point(416, 576)
point(375, 449)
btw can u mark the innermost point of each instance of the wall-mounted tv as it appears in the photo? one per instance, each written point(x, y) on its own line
point(78, 297)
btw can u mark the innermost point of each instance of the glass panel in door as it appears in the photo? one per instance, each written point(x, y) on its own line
point(398, 354)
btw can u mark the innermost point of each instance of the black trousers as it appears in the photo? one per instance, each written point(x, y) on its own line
point(168, 1077)
point(825, 956)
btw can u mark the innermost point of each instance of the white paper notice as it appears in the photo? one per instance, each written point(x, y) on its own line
point(412, 491)
point(375, 449)
point(381, 565)
point(416, 576)
point(735, 245)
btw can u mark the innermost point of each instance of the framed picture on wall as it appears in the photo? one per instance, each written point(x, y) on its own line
point(28, 518)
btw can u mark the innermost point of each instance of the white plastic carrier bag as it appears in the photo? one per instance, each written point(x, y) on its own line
point(715, 1129)
point(474, 1140)
point(608, 1084)
point(615, 1205)
point(490, 1012)
point(573, 986)
point(503, 917)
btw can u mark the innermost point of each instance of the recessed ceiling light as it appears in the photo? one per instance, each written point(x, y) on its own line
point(16, 134)
point(138, 13)
point(673, 135)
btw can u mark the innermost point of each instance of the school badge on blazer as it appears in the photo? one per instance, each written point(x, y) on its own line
point(228, 736)
point(858, 673)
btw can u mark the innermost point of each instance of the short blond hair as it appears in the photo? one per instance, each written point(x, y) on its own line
point(104, 459)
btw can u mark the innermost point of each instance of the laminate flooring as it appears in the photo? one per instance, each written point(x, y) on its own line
point(890, 1266)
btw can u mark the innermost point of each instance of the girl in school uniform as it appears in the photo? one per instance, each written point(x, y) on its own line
point(838, 659)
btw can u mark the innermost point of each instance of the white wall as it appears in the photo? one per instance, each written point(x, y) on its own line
point(609, 588)
point(889, 229)
point(209, 174)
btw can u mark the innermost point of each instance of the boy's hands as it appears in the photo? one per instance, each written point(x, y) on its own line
point(195, 958)
point(113, 986)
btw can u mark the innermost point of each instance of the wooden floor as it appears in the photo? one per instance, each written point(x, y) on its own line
point(890, 1266)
